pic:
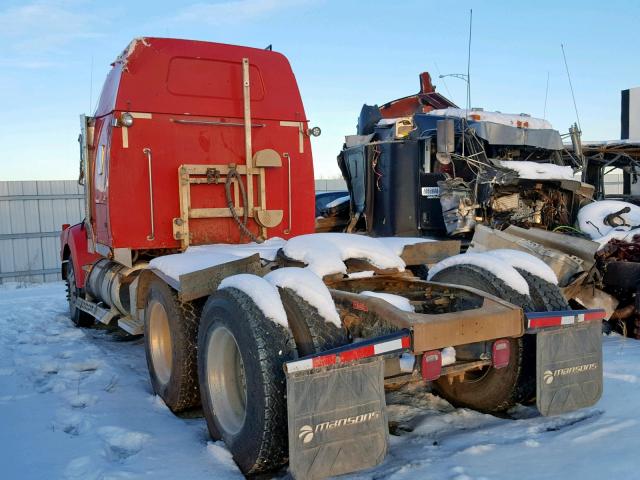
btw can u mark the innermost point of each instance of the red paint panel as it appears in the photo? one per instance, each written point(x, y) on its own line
point(73, 246)
point(545, 322)
point(592, 316)
point(357, 353)
point(324, 361)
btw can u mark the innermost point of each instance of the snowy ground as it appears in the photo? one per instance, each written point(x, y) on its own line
point(77, 404)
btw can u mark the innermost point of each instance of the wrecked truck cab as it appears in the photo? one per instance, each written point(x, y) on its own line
point(435, 169)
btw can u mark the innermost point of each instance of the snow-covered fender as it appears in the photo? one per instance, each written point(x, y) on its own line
point(73, 248)
point(568, 359)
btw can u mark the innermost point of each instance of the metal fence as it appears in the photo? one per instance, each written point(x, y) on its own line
point(31, 217)
point(329, 185)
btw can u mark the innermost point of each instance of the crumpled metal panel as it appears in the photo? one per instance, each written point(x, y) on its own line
point(569, 368)
point(497, 134)
point(337, 419)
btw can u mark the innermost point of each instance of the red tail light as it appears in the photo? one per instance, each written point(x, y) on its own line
point(501, 351)
point(431, 365)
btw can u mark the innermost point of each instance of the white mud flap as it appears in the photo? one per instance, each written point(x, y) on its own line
point(568, 368)
point(337, 419)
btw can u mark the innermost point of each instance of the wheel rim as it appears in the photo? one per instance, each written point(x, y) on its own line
point(160, 342)
point(226, 381)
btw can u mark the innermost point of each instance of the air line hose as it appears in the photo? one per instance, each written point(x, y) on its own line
point(242, 224)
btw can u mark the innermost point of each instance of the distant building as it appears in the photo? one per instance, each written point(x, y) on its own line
point(630, 117)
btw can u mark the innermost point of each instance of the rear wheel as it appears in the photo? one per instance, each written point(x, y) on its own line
point(312, 333)
point(170, 332)
point(78, 317)
point(491, 389)
point(242, 382)
point(545, 297)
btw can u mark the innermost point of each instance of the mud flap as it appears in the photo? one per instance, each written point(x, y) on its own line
point(337, 419)
point(569, 368)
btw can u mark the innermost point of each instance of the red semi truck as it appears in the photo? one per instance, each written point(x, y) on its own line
point(199, 234)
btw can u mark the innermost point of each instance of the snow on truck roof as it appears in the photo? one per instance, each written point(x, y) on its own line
point(520, 120)
point(538, 171)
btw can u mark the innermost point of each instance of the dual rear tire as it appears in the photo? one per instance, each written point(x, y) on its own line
point(171, 333)
point(242, 380)
point(496, 390)
point(229, 356)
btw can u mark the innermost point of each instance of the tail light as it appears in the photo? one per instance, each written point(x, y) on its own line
point(431, 365)
point(501, 351)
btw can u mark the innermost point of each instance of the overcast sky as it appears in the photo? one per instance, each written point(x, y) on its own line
point(344, 53)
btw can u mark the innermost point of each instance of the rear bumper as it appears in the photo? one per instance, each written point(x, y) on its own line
point(336, 400)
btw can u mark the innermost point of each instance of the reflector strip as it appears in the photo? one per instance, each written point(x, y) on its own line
point(566, 317)
point(351, 353)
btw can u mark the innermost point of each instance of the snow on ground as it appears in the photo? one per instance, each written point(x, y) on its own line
point(538, 171)
point(77, 404)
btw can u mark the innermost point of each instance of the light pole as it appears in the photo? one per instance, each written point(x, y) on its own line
point(461, 76)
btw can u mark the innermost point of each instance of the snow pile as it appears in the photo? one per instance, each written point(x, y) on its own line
point(397, 244)
point(267, 249)
point(338, 201)
point(310, 287)
point(205, 256)
point(263, 293)
point(526, 262)
point(618, 234)
point(591, 219)
point(501, 269)
point(508, 119)
point(182, 263)
point(538, 171)
point(325, 253)
point(77, 404)
point(448, 356)
point(397, 301)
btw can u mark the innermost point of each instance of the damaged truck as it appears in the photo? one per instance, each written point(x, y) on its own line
point(421, 166)
point(199, 235)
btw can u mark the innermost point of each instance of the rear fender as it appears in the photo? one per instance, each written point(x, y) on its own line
point(73, 248)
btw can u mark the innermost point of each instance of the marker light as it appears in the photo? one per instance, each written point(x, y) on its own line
point(126, 119)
